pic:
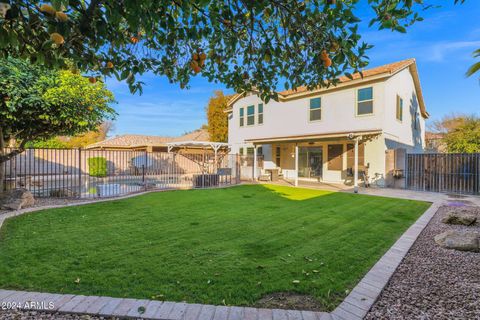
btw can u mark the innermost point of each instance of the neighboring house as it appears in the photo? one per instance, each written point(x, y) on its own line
point(312, 134)
point(434, 142)
point(149, 143)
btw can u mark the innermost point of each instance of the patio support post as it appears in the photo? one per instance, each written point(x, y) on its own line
point(254, 162)
point(296, 165)
point(355, 166)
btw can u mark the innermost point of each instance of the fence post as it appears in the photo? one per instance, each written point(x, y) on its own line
point(79, 172)
point(143, 169)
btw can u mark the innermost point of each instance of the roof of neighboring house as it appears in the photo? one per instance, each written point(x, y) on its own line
point(138, 140)
point(384, 71)
point(433, 135)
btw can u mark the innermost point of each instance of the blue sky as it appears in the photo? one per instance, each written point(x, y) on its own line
point(442, 44)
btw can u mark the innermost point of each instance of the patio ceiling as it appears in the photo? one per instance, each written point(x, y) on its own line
point(316, 137)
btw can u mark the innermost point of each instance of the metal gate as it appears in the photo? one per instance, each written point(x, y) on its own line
point(439, 172)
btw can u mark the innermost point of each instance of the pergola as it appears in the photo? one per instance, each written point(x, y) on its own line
point(202, 145)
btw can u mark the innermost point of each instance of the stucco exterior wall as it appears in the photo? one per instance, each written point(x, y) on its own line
point(403, 134)
point(291, 118)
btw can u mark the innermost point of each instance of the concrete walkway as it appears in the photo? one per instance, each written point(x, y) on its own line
point(355, 306)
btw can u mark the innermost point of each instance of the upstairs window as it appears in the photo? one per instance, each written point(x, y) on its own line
point(242, 117)
point(365, 101)
point(399, 108)
point(315, 109)
point(260, 113)
point(250, 115)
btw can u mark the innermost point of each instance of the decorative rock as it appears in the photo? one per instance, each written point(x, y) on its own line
point(16, 199)
point(463, 241)
point(459, 218)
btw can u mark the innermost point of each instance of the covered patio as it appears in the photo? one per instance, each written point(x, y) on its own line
point(342, 158)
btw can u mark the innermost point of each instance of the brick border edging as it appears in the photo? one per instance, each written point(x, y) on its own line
point(152, 309)
point(361, 299)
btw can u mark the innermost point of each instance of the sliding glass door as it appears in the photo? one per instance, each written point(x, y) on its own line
point(310, 161)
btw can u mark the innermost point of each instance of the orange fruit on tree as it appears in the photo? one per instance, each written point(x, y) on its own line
point(57, 38)
point(203, 56)
point(195, 56)
point(61, 16)
point(134, 40)
point(327, 63)
point(197, 69)
point(92, 79)
point(109, 65)
point(193, 64)
point(48, 9)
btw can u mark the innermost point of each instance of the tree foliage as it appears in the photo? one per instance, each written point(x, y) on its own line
point(79, 141)
point(465, 137)
point(242, 43)
point(217, 118)
point(38, 104)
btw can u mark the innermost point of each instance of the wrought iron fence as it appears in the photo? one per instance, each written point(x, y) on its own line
point(437, 172)
point(81, 173)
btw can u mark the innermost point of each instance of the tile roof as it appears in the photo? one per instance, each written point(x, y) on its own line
point(138, 140)
point(385, 70)
point(390, 68)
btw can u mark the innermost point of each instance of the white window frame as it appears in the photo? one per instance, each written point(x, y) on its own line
point(241, 114)
point(252, 115)
point(358, 101)
point(260, 113)
point(399, 107)
point(310, 110)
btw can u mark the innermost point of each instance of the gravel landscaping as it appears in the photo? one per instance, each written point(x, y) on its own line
point(37, 315)
point(433, 282)
point(43, 202)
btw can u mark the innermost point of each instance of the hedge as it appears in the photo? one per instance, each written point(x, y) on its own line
point(97, 167)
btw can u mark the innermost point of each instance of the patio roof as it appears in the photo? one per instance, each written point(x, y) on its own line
point(310, 137)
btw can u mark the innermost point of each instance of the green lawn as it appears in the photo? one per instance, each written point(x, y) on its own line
point(220, 246)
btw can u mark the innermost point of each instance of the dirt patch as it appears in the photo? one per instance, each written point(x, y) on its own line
point(289, 300)
point(433, 282)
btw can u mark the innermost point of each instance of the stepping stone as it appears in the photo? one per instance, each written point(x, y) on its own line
point(110, 306)
point(207, 313)
point(97, 305)
point(83, 306)
point(265, 314)
point(178, 311)
point(123, 307)
point(134, 311)
point(221, 313)
point(193, 310)
point(279, 314)
point(250, 313)
point(236, 313)
point(63, 299)
point(151, 309)
point(70, 305)
point(164, 310)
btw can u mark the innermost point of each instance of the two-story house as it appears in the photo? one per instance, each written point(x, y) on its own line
point(318, 135)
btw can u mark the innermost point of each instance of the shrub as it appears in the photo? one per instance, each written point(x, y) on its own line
point(97, 167)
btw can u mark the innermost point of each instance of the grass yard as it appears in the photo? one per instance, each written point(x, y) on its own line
point(229, 246)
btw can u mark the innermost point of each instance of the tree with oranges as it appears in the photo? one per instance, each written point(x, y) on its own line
point(240, 43)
